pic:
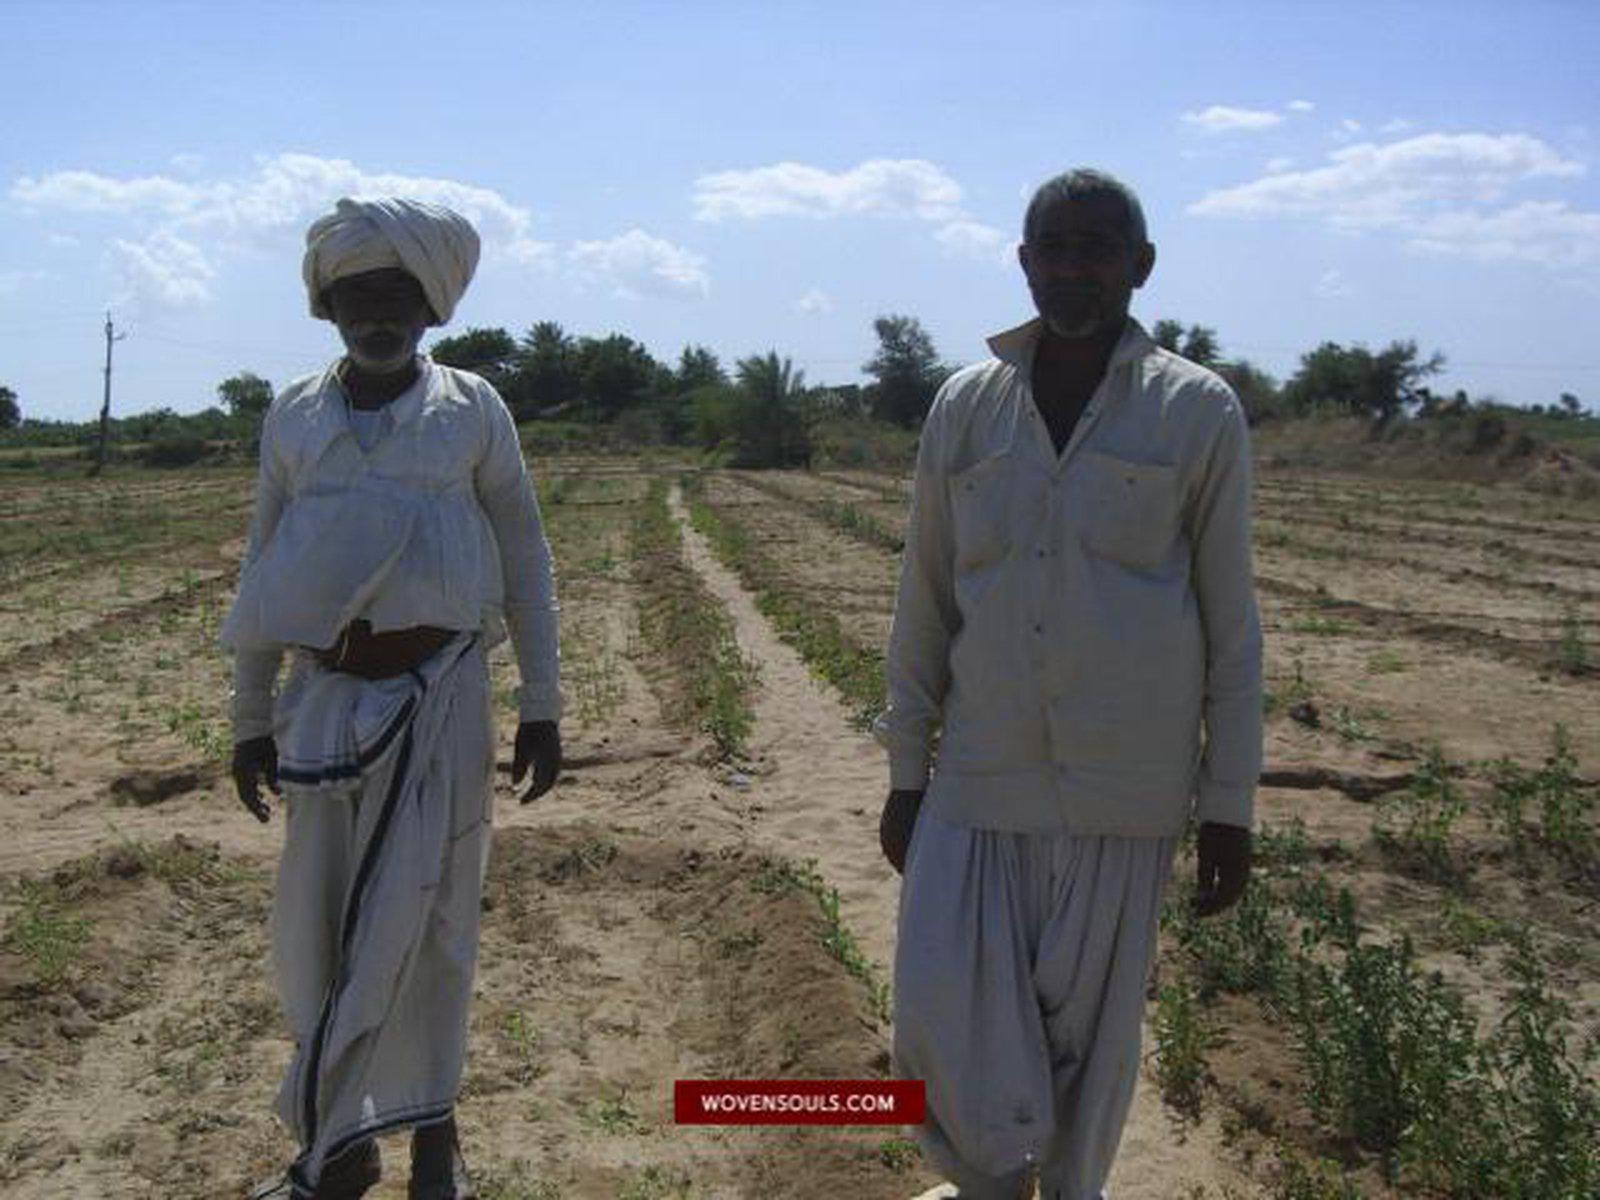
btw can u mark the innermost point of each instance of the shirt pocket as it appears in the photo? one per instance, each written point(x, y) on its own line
point(981, 512)
point(1129, 510)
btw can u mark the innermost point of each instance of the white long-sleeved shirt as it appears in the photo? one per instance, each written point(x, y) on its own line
point(435, 523)
point(1068, 623)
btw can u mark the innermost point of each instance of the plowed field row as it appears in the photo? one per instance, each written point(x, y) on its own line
point(638, 926)
point(1373, 659)
point(653, 917)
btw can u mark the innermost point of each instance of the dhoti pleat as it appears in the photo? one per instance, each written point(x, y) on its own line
point(375, 923)
point(1020, 976)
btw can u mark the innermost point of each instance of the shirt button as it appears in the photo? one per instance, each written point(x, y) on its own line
point(1042, 552)
point(1038, 628)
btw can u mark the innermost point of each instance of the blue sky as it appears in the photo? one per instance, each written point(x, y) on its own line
point(754, 177)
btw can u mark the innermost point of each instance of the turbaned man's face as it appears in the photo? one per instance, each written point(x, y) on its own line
point(1082, 266)
point(381, 316)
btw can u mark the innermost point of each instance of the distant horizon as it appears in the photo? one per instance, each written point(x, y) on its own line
point(438, 334)
point(1359, 174)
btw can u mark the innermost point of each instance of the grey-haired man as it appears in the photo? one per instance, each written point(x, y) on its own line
point(1076, 623)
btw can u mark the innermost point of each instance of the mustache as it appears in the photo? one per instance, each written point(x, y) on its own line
point(1070, 293)
point(380, 338)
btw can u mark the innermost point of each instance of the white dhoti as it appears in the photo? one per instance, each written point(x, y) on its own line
point(1020, 976)
point(375, 924)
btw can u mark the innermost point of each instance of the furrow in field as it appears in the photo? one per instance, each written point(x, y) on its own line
point(1541, 653)
point(1400, 589)
point(853, 578)
point(1558, 585)
point(1502, 510)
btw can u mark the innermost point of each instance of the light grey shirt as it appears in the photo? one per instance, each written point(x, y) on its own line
point(1080, 630)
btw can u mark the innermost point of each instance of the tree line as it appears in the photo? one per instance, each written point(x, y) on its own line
point(1346, 380)
point(760, 411)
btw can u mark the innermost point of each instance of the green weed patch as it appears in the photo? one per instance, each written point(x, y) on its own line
point(48, 936)
point(683, 622)
point(1392, 1060)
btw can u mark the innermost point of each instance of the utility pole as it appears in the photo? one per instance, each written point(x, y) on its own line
point(105, 408)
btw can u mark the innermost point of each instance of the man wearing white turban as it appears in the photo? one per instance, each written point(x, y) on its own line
point(396, 537)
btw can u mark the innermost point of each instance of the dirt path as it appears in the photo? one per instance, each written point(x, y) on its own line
point(818, 782)
point(820, 785)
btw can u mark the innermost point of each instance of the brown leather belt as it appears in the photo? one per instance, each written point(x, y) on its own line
point(370, 655)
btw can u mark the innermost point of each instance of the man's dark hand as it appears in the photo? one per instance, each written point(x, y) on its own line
point(538, 746)
point(1224, 856)
point(255, 761)
point(895, 825)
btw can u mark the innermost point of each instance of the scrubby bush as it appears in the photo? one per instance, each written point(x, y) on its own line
point(175, 450)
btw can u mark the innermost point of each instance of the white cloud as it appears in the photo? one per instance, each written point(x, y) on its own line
point(62, 239)
point(1219, 118)
point(188, 163)
point(879, 187)
point(1370, 185)
point(165, 270)
point(274, 202)
point(1276, 166)
point(1348, 128)
point(1398, 125)
point(816, 301)
point(1301, 106)
point(974, 238)
point(1445, 193)
point(908, 189)
point(637, 264)
point(181, 228)
point(1549, 232)
point(1331, 285)
point(288, 190)
point(85, 191)
point(531, 253)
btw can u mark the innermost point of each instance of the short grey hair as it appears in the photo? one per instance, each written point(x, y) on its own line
point(1081, 183)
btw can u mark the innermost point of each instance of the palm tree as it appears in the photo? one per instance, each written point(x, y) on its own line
point(773, 430)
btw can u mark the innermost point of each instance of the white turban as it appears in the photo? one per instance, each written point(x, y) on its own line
point(428, 241)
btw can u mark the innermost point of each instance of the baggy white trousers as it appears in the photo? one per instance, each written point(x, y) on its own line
point(1020, 978)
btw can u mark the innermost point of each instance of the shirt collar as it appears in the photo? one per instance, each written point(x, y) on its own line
point(404, 407)
point(1016, 346)
point(328, 419)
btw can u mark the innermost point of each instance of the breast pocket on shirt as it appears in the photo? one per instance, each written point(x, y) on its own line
point(1128, 510)
point(982, 509)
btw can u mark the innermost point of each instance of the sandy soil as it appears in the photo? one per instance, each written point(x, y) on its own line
point(638, 926)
